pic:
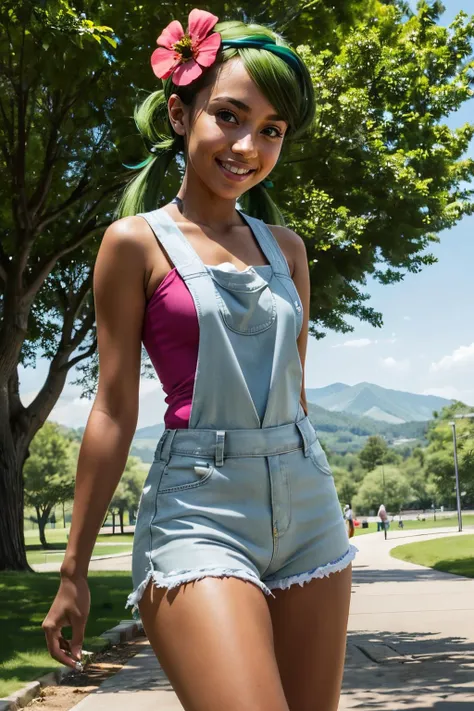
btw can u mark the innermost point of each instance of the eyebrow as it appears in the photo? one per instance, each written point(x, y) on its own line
point(243, 107)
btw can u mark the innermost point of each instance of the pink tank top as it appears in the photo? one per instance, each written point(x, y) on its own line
point(171, 338)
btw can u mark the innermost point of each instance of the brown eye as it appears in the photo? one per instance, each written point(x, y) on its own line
point(227, 116)
point(276, 132)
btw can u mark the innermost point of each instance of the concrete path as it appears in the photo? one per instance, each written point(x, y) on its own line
point(411, 631)
point(410, 646)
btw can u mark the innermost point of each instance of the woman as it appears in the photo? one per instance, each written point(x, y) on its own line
point(241, 562)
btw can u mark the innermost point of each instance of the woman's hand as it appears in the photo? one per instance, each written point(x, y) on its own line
point(70, 608)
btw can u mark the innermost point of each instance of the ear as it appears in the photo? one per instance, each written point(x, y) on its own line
point(177, 114)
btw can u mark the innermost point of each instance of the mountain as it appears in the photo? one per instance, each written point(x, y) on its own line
point(152, 432)
point(376, 403)
point(341, 432)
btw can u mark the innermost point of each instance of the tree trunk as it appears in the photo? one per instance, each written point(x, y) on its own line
point(113, 523)
point(42, 521)
point(12, 540)
point(121, 520)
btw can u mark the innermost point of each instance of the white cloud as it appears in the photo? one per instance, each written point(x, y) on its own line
point(459, 358)
point(355, 343)
point(401, 366)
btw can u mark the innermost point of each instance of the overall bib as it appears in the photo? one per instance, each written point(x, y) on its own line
point(245, 491)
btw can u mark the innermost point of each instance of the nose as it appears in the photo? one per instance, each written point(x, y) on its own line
point(245, 145)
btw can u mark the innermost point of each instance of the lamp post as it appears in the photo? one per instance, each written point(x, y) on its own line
point(468, 415)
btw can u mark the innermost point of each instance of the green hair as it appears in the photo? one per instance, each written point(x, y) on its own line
point(280, 75)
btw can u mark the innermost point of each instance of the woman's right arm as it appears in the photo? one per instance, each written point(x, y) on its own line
point(119, 294)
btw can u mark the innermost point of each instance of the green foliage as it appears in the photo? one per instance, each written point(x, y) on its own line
point(374, 453)
point(383, 173)
point(346, 432)
point(387, 485)
point(49, 472)
point(421, 478)
point(439, 456)
point(127, 494)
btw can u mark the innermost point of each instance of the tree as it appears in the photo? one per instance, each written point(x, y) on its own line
point(374, 452)
point(439, 456)
point(127, 494)
point(55, 78)
point(346, 485)
point(383, 174)
point(379, 151)
point(49, 473)
point(386, 485)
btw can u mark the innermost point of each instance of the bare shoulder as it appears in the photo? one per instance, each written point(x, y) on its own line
point(291, 244)
point(128, 235)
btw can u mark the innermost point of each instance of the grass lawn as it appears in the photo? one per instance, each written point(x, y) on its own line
point(454, 554)
point(55, 556)
point(57, 539)
point(468, 520)
point(359, 531)
point(452, 521)
point(24, 601)
point(59, 535)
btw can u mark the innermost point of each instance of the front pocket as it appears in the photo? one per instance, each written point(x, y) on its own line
point(185, 472)
point(246, 308)
point(319, 459)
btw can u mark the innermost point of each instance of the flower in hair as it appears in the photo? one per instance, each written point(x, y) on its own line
point(183, 55)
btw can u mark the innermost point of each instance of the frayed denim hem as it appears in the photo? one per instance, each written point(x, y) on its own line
point(323, 571)
point(178, 577)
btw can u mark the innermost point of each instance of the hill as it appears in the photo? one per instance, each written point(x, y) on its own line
point(343, 432)
point(376, 403)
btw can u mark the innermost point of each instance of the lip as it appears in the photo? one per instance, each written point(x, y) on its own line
point(233, 176)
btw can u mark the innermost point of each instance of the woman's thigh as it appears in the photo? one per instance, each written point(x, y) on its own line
point(214, 639)
point(309, 628)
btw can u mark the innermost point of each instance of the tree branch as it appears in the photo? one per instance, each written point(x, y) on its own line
point(39, 409)
point(72, 308)
point(79, 194)
point(19, 159)
point(82, 356)
point(40, 194)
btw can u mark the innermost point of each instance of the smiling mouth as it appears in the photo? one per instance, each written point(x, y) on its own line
point(234, 170)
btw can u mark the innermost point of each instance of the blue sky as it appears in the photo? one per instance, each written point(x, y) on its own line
point(425, 346)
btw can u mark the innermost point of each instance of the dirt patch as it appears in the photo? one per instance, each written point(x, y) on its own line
point(76, 687)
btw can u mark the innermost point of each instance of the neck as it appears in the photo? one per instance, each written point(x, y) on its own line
point(199, 205)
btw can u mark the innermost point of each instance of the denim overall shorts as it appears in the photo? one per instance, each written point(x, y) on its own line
point(246, 491)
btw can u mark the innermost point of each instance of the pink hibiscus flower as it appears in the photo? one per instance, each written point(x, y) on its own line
point(183, 55)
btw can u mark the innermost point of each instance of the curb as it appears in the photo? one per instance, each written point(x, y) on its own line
point(125, 631)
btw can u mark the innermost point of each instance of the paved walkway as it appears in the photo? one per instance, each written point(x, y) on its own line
point(410, 647)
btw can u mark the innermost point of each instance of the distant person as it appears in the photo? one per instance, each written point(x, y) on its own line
point(400, 521)
point(348, 515)
point(383, 516)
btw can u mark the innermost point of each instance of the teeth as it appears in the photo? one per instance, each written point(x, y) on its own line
point(237, 171)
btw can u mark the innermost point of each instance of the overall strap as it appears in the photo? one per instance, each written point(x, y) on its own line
point(268, 244)
point(185, 259)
